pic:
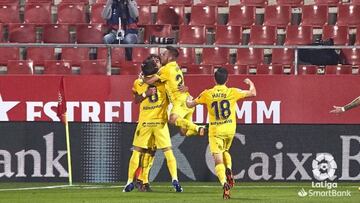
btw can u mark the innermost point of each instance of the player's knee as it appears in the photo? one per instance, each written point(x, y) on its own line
point(139, 149)
point(166, 149)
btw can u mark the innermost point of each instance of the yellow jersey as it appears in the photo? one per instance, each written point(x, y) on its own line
point(154, 107)
point(221, 102)
point(173, 77)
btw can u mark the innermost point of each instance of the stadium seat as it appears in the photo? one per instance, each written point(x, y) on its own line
point(279, 16)
point(340, 34)
point(215, 56)
point(75, 55)
point(192, 34)
point(228, 34)
point(241, 15)
point(117, 55)
point(355, 2)
point(8, 53)
point(22, 33)
point(307, 70)
point(145, 15)
point(9, 13)
point(293, 3)
point(327, 2)
point(351, 56)
point(93, 67)
point(348, 15)
point(235, 69)
point(357, 41)
point(262, 35)
point(222, 3)
point(130, 68)
point(56, 33)
point(180, 2)
point(56, 67)
point(75, 1)
point(283, 56)
point(338, 69)
point(1, 33)
point(148, 2)
point(186, 55)
point(170, 14)
point(38, 55)
point(38, 1)
point(37, 13)
point(275, 69)
point(20, 67)
point(249, 56)
point(157, 31)
point(258, 3)
point(314, 15)
point(298, 35)
point(204, 15)
point(96, 10)
point(71, 13)
point(139, 54)
point(89, 34)
point(198, 69)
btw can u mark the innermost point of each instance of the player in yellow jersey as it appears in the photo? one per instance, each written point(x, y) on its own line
point(172, 76)
point(221, 102)
point(152, 125)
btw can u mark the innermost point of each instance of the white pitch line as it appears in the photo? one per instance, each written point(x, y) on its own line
point(206, 186)
point(35, 188)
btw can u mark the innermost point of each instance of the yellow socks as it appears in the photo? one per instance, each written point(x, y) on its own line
point(171, 164)
point(220, 172)
point(227, 159)
point(133, 165)
point(146, 165)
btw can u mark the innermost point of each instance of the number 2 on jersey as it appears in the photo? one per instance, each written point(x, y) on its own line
point(221, 109)
point(180, 79)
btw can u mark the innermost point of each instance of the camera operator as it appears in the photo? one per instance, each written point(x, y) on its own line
point(121, 17)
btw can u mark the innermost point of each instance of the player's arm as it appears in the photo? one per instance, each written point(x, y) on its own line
point(151, 80)
point(190, 102)
point(252, 90)
point(138, 98)
point(351, 105)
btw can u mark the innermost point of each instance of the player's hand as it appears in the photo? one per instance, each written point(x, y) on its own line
point(183, 88)
point(189, 98)
point(151, 91)
point(337, 109)
point(247, 81)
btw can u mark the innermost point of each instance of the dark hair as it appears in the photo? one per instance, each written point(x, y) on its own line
point(152, 56)
point(221, 76)
point(173, 51)
point(148, 67)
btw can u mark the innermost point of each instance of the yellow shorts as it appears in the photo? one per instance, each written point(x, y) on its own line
point(148, 134)
point(179, 108)
point(219, 144)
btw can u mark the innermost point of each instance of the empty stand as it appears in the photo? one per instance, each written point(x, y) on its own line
point(96, 10)
point(204, 15)
point(130, 68)
point(8, 53)
point(222, 3)
point(283, 56)
point(20, 67)
point(139, 54)
point(340, 34)
point(228, 34)
point(71, 13)
point(9, 13)
point(338, 69)
point(277, 15)
point(56, 67)
point(145, 15)
point(22, 33)
point(293, 3)
point(351, 56)
point(37, 13)
point(348, 15)
point(314, 15)
point(327, 2)
point(117, 55)
point(56, 33)
point(192, 34)
point(180, 2)
point(235, 69)
point(262, 35)
point(89, 34)
point(275, 69)
point(75, 1)
point(259, 3)
point(298, 35)
point(93, 67)
point(38, 55)
point(148, 2)
point(170, 14)
point(75, 55)
point(186, 55)
point(1, 33)
point(250, 56)
point(307, 70)
point(157, 31)
point(241, 15)
point(357, 41)
point(198, 69)
point(215, 56)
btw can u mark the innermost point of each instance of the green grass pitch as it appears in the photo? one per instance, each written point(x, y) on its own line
point(195, 192)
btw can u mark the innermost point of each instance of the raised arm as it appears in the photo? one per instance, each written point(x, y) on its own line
point(138, 98)
point(151, 80)
point(351, 105)
point(252, 90)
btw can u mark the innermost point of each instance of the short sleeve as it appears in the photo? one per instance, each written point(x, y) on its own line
point(201, 99)
point(163, 74)
point(136, 87)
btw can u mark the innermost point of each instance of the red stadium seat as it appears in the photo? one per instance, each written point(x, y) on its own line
point(307, 70)
point(351, 56)
point(338, 69)
point(22, 33)
point(192, 34)
point(340, 34)
point(198, 69)
point(223, 3)
point(277, 15)
point(186, 55)
point(75, 55)
point(283, 56)
point(348, 15)
point(327, 2)
point(130, 68)
point(145, 15)
point(259, 3)
point(93, 67)
point(96, 10)
point(38, 55)
point(8, 53)
point(38, 1)
point(250, 56)
point(148, 2)
point(262, 35)
point(357, 41)
point(56, 67)
point(9, 13)
point(355, 2)
point(117, 55)
point(180, 2)
point(157, 31)
point(204, 15)
point(314, 15)
point(293, 3)
point(215, 56)
point(75, 1)
point(170, 14)
point(56, 33)
point(270, 69)
point(228, 34)
point(235, 69)
point(71, 13)
point(139, 54)
point(241, 15)
point(37, 13)
point(1, 33)
point(89, 34)
point(20, 67)
point(298, 35)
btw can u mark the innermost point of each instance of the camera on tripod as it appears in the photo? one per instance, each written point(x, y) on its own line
point(162, 40)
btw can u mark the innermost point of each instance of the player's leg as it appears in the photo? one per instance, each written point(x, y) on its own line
point(228, 161)
point(181, 116)
point(147, 162)
point(133, 166)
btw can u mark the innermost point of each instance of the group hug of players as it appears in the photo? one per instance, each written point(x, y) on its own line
point(161, 83)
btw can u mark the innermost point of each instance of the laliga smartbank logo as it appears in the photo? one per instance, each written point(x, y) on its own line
point(324, 167)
